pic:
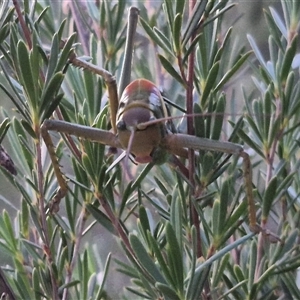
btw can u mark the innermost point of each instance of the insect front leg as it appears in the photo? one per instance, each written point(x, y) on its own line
point(113, 91)
point(90, 133)
point(110, 82)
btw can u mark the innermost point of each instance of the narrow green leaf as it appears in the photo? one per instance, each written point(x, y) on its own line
point(126, 195)
point(161, 186)
point(4, 126)
point(190, 280)
point(144, 220)
point(170, 69)
point(193, 21)
point(137, 293)
point(141, 176)
point(54, 52)
point(9, 232)
point(219, 270)
point(280, 24)
point(88, 165)
point(160, 259)
point(167, 291)
point(34, 59)
point(23, 286)
point(197, 286)
point(180, 6)
point(222, 252)
point(199, 121)
point(289, 243)
point(24, 224)
point(288, 59)
point(28, 129)
point(105, 274)
point(101, 218)
point(65, 53)
point(176, 33)
point(36, 284)
point(168, 8)
point(267, 112)
point(145, 259)
point(63, 259)
point(53, 105)
point(176, 220)
point(174, 257)
point(26, 74)
point(255, 126)
point(4, 32)
point(49, 93)
point(239, 273)
point(91, 285)
point(208, 161)
point(225, 43)
point(155, 35)
point(229, 74)
point(68, 285)
point(269, 198)
point(164, 41)
point(215, 221)
point(289, 88)
point(224, 203)
point(218, 120)
point(257, 51)
point(245, 137)
point(84, 275)
point(209, 83)
point(235, 217)
point(41, 16)
point(15, 97)
point(292, 289)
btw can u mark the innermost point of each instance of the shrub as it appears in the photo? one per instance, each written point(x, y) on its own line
point(177, 233)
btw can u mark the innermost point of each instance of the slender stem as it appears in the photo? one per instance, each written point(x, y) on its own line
point(119, 229)
point(270, 161)
point(40, 175)
point(80, 226)
point(116, 222)
point(44, 228)
point(41, 199)
point(191, 131)
point(23, 24)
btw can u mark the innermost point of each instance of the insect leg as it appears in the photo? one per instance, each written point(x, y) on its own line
point(90, 133)
point(174, 142)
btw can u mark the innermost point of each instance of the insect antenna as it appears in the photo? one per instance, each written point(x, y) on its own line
point(129, 146)
point(173, 104)
point(143, 125)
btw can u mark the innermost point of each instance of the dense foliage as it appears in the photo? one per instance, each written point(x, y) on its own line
point(176, 231)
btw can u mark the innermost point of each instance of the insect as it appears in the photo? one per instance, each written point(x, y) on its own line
point(138, 120)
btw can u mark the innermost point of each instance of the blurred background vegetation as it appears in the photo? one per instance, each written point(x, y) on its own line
point(106, 240)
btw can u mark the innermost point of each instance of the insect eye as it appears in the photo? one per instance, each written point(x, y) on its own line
point(121, 125)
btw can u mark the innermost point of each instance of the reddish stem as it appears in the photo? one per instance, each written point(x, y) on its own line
point(77, 244)
point(23, 24)
point(41, 204)
point(191, 131)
